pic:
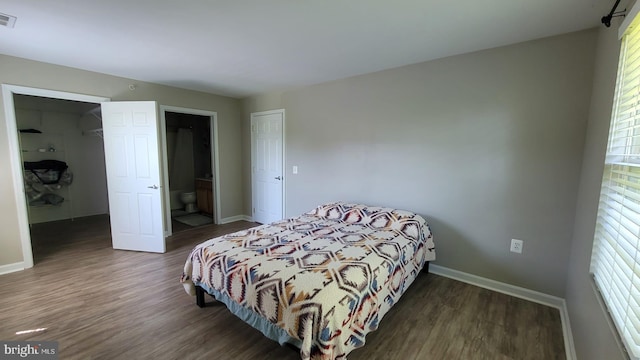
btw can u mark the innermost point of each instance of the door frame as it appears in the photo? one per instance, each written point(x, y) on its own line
point(215, 160)
point(284, 163)
point(15, 156)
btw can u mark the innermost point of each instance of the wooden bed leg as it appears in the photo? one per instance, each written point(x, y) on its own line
point(425, 269)
point(199, 296)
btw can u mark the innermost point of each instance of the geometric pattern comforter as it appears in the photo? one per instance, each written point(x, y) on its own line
point(325, 278)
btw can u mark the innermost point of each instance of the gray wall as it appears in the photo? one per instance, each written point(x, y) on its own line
point(487, 146)
point(23, 72)
point(593, 337)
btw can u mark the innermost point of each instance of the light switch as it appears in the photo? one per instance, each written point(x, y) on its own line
point(295, 169)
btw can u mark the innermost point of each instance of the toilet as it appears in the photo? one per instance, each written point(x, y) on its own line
point(189, 201)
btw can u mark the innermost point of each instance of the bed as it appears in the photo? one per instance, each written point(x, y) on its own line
point(319, 281)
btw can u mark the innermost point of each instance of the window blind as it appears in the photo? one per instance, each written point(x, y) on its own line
point(615, 260)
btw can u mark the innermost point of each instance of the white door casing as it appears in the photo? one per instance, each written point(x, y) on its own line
point(130, 132)
point(267, 159)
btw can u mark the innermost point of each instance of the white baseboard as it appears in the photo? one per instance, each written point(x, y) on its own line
point(570, 348)
point(9, 268)
point(235, 218)
point(519, 292)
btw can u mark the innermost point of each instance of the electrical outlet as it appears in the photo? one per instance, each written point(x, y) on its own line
point(295, 169)
point(516, 246)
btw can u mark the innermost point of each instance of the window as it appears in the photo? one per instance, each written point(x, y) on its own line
point(615, 261)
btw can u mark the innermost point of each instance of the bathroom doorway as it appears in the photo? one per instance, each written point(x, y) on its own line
point(189, 142)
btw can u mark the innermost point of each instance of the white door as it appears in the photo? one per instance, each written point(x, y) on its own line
point(130, 132)
point(267, 131)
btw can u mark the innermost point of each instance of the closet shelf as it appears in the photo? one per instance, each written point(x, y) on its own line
point(42, 152)
point(93, 132)
point(45, 205)
point(95, 112)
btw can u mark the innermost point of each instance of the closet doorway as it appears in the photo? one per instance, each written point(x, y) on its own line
point(48, 125)
point(189, 139)
point(63, 158)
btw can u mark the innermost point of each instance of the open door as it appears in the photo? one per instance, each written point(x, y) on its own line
point(130, 131)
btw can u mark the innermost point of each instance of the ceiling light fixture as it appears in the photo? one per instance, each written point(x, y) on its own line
point(7, 20)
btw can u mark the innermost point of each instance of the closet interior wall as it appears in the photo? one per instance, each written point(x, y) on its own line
point(63, 126)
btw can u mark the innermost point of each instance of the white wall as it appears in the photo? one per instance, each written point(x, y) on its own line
point(487, 146)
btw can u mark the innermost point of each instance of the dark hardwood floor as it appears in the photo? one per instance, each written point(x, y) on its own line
point(100, 303)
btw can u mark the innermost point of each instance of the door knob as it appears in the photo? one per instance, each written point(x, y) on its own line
point(154, 187)
point(278, 178)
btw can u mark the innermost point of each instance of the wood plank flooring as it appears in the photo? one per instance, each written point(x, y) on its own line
point(100, 303)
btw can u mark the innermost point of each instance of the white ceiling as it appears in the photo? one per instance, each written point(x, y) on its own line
point(242, 47)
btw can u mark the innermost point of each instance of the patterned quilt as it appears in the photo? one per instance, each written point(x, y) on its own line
point(323, 279)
